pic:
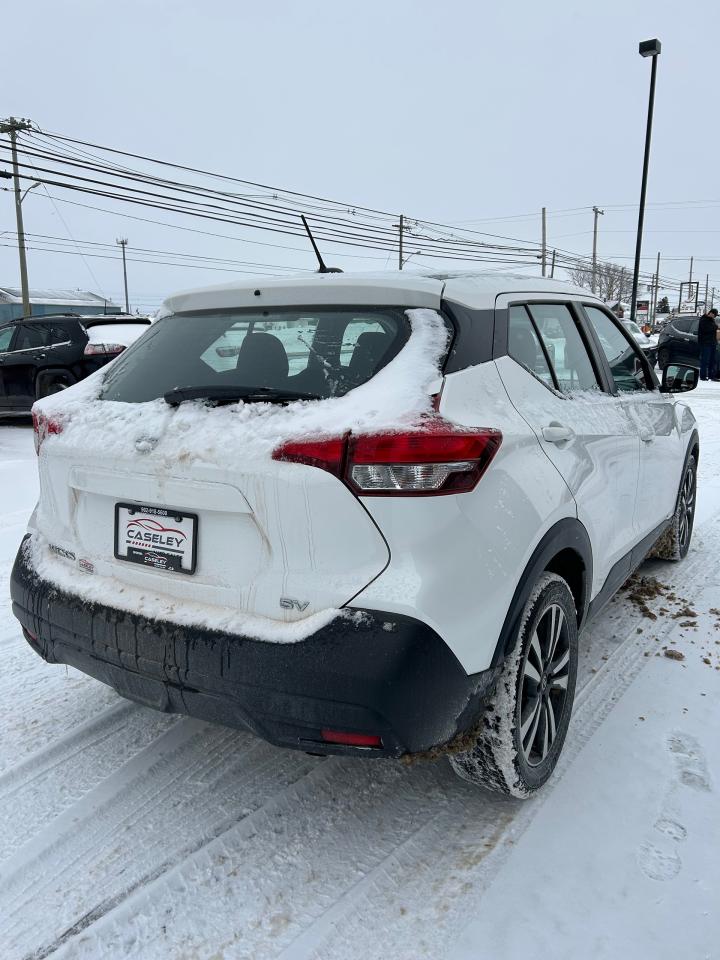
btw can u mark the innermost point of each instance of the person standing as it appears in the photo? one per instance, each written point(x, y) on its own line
point(707, 342)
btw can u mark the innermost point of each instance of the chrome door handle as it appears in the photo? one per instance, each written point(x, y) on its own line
point(557, 433)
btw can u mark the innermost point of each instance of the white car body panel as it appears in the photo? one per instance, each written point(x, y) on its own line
point(258, 535)
point(321, 288)
point(662, 447)
point(456, 560)
point(600, 463)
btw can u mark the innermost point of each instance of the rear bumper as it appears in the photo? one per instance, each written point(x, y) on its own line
point(379, 674)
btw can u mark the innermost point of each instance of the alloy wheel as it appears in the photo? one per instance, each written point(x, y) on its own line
point(544, 685)
point(686, 508)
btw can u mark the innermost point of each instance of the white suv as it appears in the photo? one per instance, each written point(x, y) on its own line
point(358, 514)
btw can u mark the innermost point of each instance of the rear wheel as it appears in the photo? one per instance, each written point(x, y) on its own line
point(523, 729)
point(675, 542)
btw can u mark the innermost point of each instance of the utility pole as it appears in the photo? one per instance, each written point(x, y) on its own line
point(123, 244)
point(400, 248)
point(597, 213)
point(552, 265)
point(657, 285)
point(544, 240)
point(707, 281)
point(691, 266)
point(712, 297)
point(12, 126)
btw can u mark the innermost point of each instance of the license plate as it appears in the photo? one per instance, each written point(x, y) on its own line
point(157, 537)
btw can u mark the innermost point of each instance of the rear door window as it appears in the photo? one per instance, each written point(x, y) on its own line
point(59, 333)
point(31, 336)
point(323, 352)
point(525, 347)
point(568, 353)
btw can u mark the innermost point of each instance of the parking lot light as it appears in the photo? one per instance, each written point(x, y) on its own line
point(647, 48)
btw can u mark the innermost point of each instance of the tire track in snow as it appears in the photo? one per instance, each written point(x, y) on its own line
point(55, 778)
point(169, 799)
point(399, 829)
point(63, 749)
point(47, 702)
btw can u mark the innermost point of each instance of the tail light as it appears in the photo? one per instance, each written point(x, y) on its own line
point(102, 349)
point(42, 427)
point(433, 459)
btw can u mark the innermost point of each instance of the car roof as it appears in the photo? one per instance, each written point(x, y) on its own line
point(89, 320)
point(403, 288)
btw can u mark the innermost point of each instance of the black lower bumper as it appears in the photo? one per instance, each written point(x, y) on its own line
point(380, 674)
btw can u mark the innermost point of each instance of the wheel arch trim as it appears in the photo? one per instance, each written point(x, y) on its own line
point(566, 536)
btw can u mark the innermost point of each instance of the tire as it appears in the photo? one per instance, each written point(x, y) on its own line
point(675, 542)
point(663, 358)
point(515, 752)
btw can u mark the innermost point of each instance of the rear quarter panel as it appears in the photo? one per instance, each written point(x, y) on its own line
point(456, 560)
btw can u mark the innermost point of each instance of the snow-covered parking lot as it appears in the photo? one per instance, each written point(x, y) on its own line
point(125, 833)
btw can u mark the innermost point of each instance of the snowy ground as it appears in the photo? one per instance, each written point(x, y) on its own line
point(129, 834)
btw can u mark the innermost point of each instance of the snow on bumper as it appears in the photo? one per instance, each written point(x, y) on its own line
point(374, 673)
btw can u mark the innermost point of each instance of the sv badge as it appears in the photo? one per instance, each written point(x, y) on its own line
point(288, 603)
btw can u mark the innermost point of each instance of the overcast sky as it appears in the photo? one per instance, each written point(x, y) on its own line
point(456, 111)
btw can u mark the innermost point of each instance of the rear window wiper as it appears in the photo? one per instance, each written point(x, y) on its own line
point(179, 395)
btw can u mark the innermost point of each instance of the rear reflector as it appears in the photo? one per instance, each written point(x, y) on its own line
point(42, 427)
point(104, 349)
point(351, 739)
point(431, 459)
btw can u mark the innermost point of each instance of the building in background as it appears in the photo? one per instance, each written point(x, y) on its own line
point(43, 302)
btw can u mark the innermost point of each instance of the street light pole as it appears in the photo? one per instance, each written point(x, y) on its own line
point(648, 48)
point(28, 189)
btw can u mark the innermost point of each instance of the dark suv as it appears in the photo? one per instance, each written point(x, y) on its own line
point(678, 341)
point(43, 355)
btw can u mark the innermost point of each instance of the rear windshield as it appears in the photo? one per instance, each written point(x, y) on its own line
point(321, 352)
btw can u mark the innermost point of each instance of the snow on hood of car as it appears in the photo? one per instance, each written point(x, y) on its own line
point(231, 436)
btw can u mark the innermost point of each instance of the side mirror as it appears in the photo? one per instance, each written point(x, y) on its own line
point(678, 378)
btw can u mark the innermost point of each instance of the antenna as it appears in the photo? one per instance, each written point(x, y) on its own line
point(322, 268)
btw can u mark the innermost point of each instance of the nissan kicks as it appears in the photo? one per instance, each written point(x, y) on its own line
point(365, 515)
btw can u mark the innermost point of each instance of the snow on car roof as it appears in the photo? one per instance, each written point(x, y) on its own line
point(410, 288)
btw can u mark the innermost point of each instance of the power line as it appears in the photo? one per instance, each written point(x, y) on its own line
point(337, 223)
point(348, 236)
